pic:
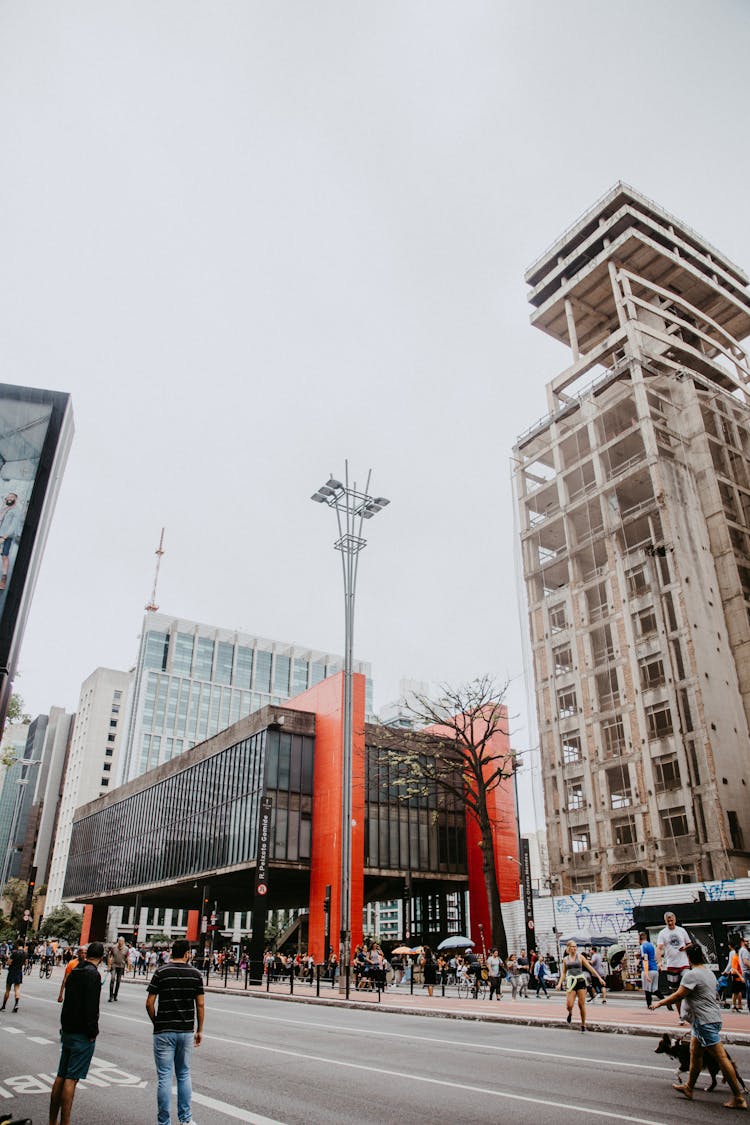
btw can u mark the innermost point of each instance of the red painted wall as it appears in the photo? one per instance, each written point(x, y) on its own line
point(193, 925)
point(94, 926)
point(326, 699)
point(502, 810)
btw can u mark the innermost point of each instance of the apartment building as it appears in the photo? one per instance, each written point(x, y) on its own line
point(633, 497)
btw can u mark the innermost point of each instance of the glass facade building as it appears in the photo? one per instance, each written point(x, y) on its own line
point(193, 680)
point(201, 819)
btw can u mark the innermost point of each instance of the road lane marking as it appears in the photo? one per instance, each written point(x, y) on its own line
point(411, 1077)
point(372, 1033)
point(14, 1030)
point(38, 1039)
point(234, 1111)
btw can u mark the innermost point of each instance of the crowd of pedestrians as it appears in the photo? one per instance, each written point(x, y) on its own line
point(174, 1002)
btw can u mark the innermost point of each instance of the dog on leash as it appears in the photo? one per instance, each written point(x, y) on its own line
point(679, 1049)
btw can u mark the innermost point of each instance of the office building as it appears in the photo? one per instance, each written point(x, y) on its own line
point(36, 430)
point(633, 498)
point(193, 680)
point(92, 762)
point(30, 797)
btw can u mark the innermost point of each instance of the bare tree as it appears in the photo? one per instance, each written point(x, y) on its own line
point(463, 751)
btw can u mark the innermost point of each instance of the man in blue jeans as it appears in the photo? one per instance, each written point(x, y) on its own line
point(179, 988)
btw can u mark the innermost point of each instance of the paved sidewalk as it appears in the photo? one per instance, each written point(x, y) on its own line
point(624, 1013)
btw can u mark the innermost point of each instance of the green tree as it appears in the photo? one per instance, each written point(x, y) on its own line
point(14, 714)
point(15, 892)
point(63, 923)
point(463, 752)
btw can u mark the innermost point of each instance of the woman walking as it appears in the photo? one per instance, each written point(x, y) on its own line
point(698, 989)
point(429, 969)
point(574, 964)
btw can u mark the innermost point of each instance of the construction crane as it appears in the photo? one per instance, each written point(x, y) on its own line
point(152, 607)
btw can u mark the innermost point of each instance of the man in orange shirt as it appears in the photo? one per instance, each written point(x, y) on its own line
point(72, 964)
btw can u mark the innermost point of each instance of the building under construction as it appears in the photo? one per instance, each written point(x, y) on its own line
point(634, 510)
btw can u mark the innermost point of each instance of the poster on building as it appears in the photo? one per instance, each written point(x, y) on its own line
point(23, 429)
point(36, 429)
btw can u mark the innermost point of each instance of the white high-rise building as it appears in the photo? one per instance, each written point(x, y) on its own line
point(92, 761)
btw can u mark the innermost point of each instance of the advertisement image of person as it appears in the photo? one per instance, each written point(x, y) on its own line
point(11, 522)
point(79, 1028)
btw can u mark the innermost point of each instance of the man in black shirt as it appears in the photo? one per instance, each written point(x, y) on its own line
point(179, 988)
point(79, 1027)
point(15, 975)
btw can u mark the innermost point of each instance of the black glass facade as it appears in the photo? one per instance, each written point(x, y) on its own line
point(199, 820)
point(426, 832)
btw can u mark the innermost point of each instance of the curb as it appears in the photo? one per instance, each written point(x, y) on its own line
point(736, 1038)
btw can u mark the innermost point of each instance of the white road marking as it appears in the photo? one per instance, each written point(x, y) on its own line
point(372, 1033)
point(410, 1077)
point(234, 1111)
point(14, 1030)
point(38, 1039)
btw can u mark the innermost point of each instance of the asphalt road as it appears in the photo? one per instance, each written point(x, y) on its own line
point(266, 1061)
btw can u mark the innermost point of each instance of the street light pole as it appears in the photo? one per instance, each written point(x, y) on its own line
point(352, 507)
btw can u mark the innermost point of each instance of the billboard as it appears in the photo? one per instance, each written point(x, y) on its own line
point(36, 429)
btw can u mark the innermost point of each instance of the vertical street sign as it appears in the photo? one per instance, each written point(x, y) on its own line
point(528, 898)
point(407, 906)
point(264, 844)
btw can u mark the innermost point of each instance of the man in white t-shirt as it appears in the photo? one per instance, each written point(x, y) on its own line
point(671, 952)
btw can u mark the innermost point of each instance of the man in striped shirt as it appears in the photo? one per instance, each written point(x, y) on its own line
point(179, 989)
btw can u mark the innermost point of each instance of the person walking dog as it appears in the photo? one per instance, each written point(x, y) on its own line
point(698, 990)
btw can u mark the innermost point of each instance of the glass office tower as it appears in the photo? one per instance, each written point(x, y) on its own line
point(192, 680)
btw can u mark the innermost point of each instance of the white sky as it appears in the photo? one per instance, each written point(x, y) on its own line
point(254, 239)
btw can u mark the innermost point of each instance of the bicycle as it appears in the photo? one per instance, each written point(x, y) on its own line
point(45, 968)
point(474, 988)
point(27, 967)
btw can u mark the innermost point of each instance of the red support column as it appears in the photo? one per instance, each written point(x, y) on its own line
point(326, 700)
point(193, 926)
point(94, 926)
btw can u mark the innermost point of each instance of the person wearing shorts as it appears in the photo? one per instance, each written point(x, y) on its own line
point(698, 992)
point(649, 970)
point(15, 975)
point(79, 1028)
point(672, 945)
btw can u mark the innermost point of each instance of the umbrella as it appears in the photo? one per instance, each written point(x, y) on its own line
point(456, 942)
point(401, 949)
point(589, 939)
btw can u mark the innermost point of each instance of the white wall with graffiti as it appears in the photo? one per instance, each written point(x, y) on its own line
point(608, 914)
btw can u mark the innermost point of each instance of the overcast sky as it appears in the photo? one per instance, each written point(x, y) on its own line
point(255, 239)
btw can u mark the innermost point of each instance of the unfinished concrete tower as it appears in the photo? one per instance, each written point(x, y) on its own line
point(634, 507)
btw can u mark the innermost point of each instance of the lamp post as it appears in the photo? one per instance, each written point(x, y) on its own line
point(352, 506)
